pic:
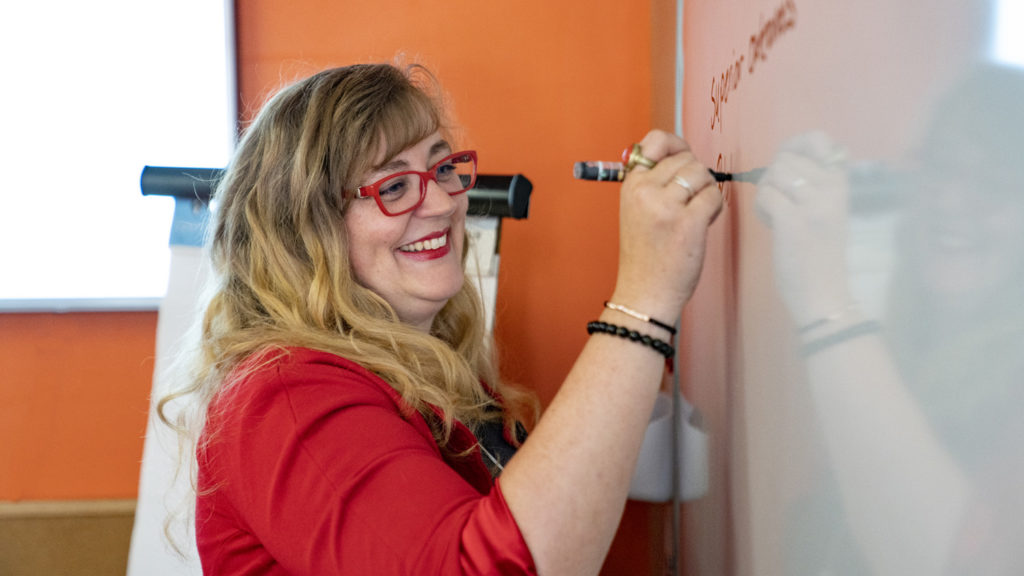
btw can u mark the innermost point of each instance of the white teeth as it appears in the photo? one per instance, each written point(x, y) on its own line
point(420, 246)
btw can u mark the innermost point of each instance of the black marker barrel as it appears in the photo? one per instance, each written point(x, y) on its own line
point(599, 171)
point(616, 172)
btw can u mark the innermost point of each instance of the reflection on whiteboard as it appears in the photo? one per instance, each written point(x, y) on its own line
point(869, 392)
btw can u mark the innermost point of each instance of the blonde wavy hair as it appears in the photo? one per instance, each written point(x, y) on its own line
point(281, 273)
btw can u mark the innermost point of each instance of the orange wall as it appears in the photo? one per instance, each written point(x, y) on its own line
point(74, 392)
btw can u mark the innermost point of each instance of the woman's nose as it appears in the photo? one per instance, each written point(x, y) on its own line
point(436, 201)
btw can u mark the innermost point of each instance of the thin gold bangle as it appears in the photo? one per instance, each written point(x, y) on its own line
point(639, 316)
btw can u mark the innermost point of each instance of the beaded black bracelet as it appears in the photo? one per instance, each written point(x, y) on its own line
point(663, 348)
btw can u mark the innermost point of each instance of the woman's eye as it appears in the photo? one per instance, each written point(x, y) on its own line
point(393, 189)
point(445, 171)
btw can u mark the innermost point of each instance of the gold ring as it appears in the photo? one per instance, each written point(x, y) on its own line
point(635, 158)
point(685, 184)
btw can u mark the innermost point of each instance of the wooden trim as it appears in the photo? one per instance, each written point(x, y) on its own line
point(64, 508)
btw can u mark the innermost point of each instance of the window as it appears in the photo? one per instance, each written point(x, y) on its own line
point(1007, 42)
point(93, 92)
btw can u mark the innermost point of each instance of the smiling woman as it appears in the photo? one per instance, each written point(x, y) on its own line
point(358, 308)
point(346, 411)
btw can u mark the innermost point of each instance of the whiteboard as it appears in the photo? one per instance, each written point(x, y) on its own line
point(97, 91)
point(855, 343)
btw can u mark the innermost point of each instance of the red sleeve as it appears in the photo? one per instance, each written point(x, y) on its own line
point(317, 472)
point(491, 541)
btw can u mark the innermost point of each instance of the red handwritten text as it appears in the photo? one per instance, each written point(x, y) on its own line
point(781, 21)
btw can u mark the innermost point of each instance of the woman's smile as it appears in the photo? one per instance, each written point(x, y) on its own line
point(429, 247)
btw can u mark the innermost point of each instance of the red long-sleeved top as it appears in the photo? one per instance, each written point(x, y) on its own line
point(318, 467)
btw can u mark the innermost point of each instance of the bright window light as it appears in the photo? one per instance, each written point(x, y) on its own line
point(93, 92)
point(1007, 40)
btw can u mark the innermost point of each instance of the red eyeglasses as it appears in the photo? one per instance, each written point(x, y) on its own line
point(396, 194)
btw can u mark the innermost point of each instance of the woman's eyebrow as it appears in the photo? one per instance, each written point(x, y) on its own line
point(397, 164)
point(441, 146)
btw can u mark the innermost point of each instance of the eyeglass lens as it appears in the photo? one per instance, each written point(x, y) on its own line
point(403, 191)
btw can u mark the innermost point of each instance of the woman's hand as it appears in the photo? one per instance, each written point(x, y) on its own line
point(802, 197)
point(664, 215)
point(568, 483)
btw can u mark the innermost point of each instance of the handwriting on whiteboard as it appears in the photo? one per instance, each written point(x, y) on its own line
point(782, 20)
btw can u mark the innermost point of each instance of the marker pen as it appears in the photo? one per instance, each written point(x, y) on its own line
point(616, 172)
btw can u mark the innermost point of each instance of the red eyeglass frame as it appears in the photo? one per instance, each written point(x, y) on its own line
point(373, 190)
